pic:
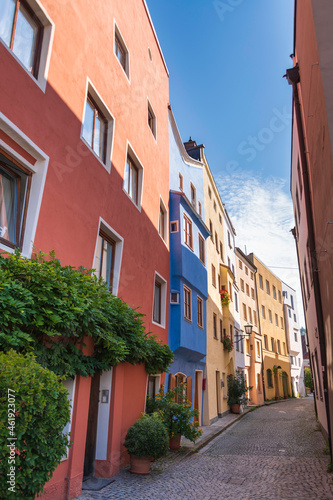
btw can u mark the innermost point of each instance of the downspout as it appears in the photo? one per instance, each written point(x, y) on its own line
point(293, 78)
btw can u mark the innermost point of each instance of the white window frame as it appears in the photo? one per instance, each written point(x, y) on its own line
point(70, 385)
point(159, 279)
point(38, 170)
point(134, 157)
point(46, 45)
point(166, 222)
point(119, 243)
point(91, 90)
point(116, 31)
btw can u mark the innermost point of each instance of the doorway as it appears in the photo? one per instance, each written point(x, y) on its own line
point(90, 451)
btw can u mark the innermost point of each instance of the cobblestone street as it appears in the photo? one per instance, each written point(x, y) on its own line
point(274, 452)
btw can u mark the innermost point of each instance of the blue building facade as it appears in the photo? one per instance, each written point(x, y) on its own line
point(188, 273)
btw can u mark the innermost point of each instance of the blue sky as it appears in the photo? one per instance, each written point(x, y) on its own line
point(226, 61)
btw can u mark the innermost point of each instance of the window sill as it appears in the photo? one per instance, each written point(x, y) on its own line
point(106, 166)
point(188, 320)
point(128, 196)
point(161, 325)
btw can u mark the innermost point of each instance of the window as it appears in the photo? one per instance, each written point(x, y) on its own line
point(221, 331)
point(229, 263)
point(272, 344)
point(242, 285)
point(215, 325)
point(291, 360)
point(270, 315)
point(200, 208)
point(211, 229)
point(240, 264)
point(244, 312)
point(220, 218)
point(193, 196)
point(188, 232)
point(26, 30)
point(248, 347)
point(181, 182)
point(251, 275)
point(292, 301)
point(258, 382)
point(260, 282)
point(295, 335)
point(213, 276)
point(210, 193)
point(15, 184)
point(246, 271)
point(187, 303)
point(269, 378)
point(279, 296)
point(233, 270)
point(265, 342)
point(221, 251)
point(69, 384)
point(263, 312)
point(162, 221)
point(230, 291)
point(151, 119)
point(236, 302)
point(258, 349)
point(159, 300)
point(276, 320)
point(174, 297)
point(252, 293)
point(131, 180)
point(284, 348)
point(299, 177)
point(274, 292)
point(153, 385)
point(215, 205)
point(306, 278)
point(250, 314)
point(267, 287)
point(174, 226)
point(281, 321)
point(255, 318)
point(295, 319)
point(289, 312)
point(94, 130)
point(104, 260)
point(201, 249)
point(121, 51)
point(157, 316)
point(278, 347)
point(97, 126)
point(247, 290)
point(216, 242)
point(298, 210)
point(229, 240)
point(200, 312)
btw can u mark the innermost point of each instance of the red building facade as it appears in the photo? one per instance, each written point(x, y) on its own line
point(84, 171)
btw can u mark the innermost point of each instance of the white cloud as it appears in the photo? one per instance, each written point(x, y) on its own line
point(262, 214)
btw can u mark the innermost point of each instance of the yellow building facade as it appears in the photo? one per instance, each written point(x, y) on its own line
point(276, 364)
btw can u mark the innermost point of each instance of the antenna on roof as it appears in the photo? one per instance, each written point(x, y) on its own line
point(245, 250)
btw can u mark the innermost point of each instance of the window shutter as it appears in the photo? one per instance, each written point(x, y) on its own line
point(172, 381)
point(189, 389)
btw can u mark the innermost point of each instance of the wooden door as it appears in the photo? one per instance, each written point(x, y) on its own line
point(90, 452)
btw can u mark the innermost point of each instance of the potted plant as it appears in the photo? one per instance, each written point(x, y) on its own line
point(228, 344)
point(147, 438)
point(237, 391)
point(176, 414)
point(225, 298)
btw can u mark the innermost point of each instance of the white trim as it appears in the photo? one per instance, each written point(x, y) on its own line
point(91, 89)
point(70, 398)
point(46, 46)
point(166, 222)
point(130, 152)
point(118, 252)
point(127, 55)
point(102, 431)
point(154, 131)
point(39, 171)
point(163, 283)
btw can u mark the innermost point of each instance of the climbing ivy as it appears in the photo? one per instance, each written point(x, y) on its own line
point(50, 310)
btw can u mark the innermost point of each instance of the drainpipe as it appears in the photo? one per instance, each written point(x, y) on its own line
point(293, 79)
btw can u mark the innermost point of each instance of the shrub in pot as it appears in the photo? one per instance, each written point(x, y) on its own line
point(176, 414)
point(237, 392)
point(147, 438)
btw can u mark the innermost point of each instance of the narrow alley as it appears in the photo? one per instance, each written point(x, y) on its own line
point(275, 452)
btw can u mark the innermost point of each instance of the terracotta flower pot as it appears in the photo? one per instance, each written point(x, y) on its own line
point(235, 408)
point(140, 465)
point(174, 442)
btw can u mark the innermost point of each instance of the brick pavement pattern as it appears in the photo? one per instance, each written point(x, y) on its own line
point(274, 453)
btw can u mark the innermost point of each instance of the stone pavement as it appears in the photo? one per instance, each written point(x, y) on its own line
point(275, 453)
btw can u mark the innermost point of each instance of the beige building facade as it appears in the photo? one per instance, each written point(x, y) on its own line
point(251, 345)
